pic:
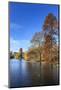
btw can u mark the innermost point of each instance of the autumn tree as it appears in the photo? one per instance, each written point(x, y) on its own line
point(50, 29)
point(37, 41)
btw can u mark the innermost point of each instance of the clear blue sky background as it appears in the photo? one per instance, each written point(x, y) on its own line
point(25, 20)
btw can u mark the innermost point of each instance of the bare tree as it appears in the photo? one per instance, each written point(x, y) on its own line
point(37, 41)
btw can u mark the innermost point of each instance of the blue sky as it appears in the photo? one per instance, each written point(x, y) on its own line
point(25, 20)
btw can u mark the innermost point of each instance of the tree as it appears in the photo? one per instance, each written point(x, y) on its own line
point(37, 41)
point(11, 55)
point(50, 29)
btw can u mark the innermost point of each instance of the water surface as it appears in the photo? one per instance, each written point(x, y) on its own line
point(24, 73)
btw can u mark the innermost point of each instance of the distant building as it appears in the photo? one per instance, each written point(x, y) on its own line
point(20, 50)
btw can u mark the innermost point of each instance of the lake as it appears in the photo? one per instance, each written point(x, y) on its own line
point(24, 73)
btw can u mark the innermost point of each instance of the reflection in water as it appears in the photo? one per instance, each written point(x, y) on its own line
point(24, 73)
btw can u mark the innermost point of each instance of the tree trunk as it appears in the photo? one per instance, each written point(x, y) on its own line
point(40, 58)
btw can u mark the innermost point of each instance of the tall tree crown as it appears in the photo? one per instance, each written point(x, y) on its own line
point(50, 22)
